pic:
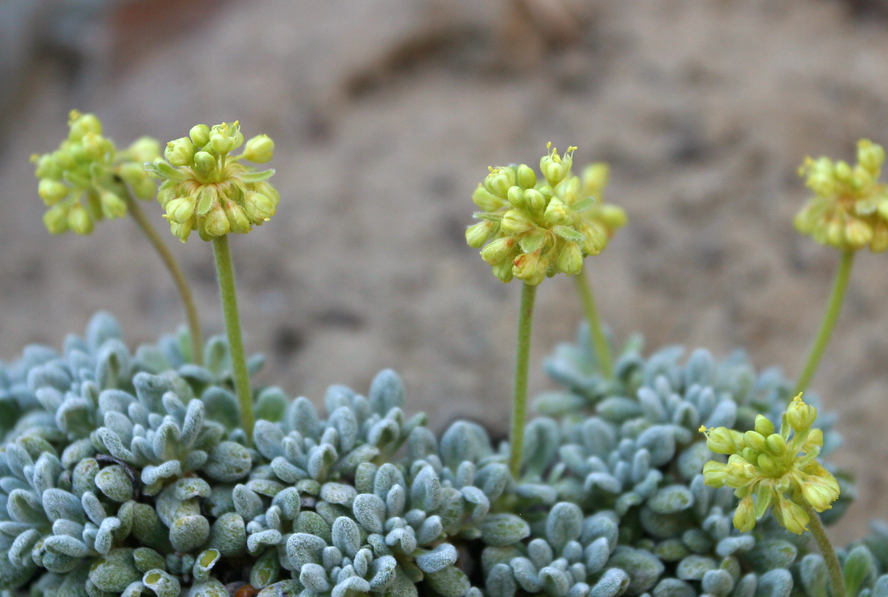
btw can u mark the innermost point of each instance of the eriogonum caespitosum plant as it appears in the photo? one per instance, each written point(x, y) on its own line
point(87, 179)
point(849, 211)
point(207, 189)
point(81, 181)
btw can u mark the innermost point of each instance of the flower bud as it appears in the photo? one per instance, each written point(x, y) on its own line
point(570, 260)
point(535, 201)
point(181, 209)
point(556, 213)
point(499, 181)
point(486, 200)
point(515, 222)
point(237, 218)
point(477, 234)
point(722, 440)
point(112, 205)
point(754, 440)
point(81, 124)
point(216, 222)
point(870, 155)
point(555, 167)
point(793, 518)
point(744, 517)
point(767, 465)
point(259, 149)
point(595, 178)
point(56, 219)
point(568, 189)
point(182, 230)
point(800, 415)
point(144, 149)
point(531, 268)
point(820, 494)
point(715, 474)
point(52, 191)
point(594, 239)
point(96, 146)
point(180, 152)
point(526, 177)
point(763, 425)
point(78, 220)
point(259, 207)
point(47, 167)
point(503, 271)
point(200, 135)
point(224, 137)
point(515, 196)
point(776, 444)
point(204, 163)
point(499, 251)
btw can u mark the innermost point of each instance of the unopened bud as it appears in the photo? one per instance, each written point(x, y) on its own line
point(78, 220)
point(259, 207)
point(776, 444)
point(515, 222)
point(754, 440)
point(112, 205)
point(800, 415)
point(52, 191)
point(144, 149)
point(486, 200)
point(499, 181)
point(499, 251)
point(81, 124)
point(477, 234)
point(200, 135)
point(744, 517)
point(556, 213)
point(180, 152)
point(204, 163)
point(516, 197)
point(237, 218)
point(763, 425)
point(181, 209)
point(56, 219)
point(216, 222)
point(595, 178)
point(570, 260)
point(526, 177)
point(259, 149)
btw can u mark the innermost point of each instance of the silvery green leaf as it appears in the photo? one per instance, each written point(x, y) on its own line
point(115, 571)
point(209, 588)
point(617, 409)
point(289, 502)
point(314, 578)
point(161, 583)
point(718, 582)
point(503, 529)
point(464, 441)
point(492, 479)
point(540, 553)
point(382, 573)
point(387, 477)
point(302, 417)
point(558, 404)
point(724, 415)
point(228, 535)
point(150, 390)
point(266, 569)
point(881, 587)
point(694, 567)
point(555, 581)
point(369, 510)
point(320, 459)
point(20, 550)
point(526, 574)
point(247, 503)
point(228, 461)
point(303, 548)
point(642, 567)
point(268, 438)
point(596, 554)
point(671, 499)
point(66, 545)
point(673, 587)
point(189, 532)
point(59, 505)
point(312, 523)
point(859, 568)
point(770, 554)
point(147, 559)
point(776, 583)
point(500, 582)
point(114, 483)
point(439, 558)
point(338, 493)
point(14, 576)
point(284, 588)
point(564, 524)
point(402, 540)
point(386, 392)
point(221, 406)
point(449, 582)
point(425, 492)
point(257, 542)
point(350, 586)
point(659, 440)
point(731, 545)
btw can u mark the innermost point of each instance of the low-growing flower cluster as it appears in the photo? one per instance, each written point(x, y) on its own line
point(127, 474)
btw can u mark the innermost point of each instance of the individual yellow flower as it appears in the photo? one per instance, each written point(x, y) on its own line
point(850, 207)
point(608, 218)
point(532, 227)
point(80, 181)
point(773, 470)
point(208, 190)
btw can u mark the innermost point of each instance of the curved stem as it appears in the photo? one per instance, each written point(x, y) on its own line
point(175, 271)
point(519, 401)
point(225, 270)
point(829, 554)
point(833, 308)
point(599, 340)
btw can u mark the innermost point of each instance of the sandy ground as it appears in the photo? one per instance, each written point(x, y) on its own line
point(386, 115)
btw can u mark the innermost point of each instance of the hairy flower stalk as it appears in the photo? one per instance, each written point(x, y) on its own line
point(208, 190)
point(778, 471)
point(87, 180)
point(531, 229)
point(607, 219)
point(849, 211)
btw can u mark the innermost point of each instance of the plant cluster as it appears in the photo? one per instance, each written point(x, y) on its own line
point(167, 472)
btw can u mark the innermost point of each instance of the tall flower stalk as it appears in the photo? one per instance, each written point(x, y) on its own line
point(531, 229)
point(207, 189)
point(87, 180)
point(849, 211)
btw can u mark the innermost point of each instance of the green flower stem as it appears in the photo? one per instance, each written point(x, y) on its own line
point(519, 402)
point(602, 350)
point(826, 549)
point(833, 308)
point(225, 271)
point(175, 271)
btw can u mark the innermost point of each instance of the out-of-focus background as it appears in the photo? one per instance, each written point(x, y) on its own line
point(386, 114)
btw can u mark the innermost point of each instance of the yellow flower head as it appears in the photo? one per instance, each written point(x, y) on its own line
point(533, 228)
point(207, 189)
point(80, 181)
point(774, 470)
point(606, 217)
point(850, 207)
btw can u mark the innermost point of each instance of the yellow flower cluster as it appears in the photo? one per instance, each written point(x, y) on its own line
point(80, 181)
point(608, 218)
point(533, 228)
point(208, 190)
point(850, 207)
point(773, 470)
